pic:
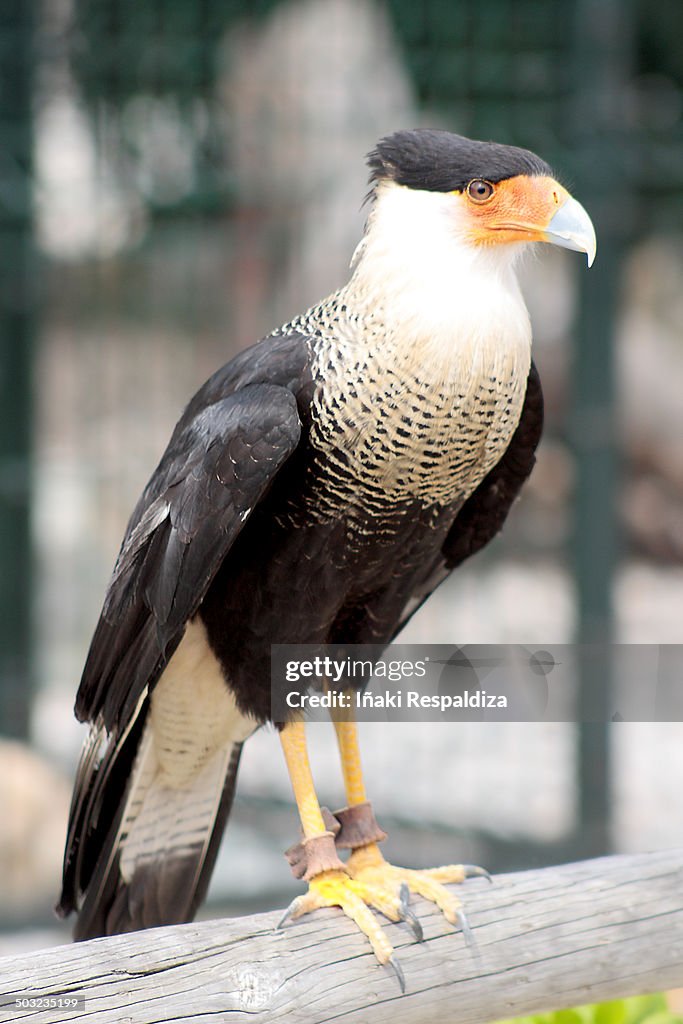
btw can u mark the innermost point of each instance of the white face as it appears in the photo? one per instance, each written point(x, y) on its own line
point(421, 264)
point(441, 264)
point(436, 226)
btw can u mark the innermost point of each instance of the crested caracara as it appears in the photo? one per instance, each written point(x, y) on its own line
point(316, 489)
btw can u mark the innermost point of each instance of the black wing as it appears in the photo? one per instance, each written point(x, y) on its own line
point(224, 462)
point(223, 457)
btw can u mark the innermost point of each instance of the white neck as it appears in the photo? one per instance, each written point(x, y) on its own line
point(416, 272)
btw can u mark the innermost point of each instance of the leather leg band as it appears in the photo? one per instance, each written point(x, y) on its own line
point(347, 829)
point(311, 856)
point(358, 827)
point(314, 855)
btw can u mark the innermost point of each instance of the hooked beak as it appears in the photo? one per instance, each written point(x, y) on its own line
point(531, 208)
point(572, 228)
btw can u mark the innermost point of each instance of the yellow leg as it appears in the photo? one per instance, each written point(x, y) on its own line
point(366, 863)
point(352, 769)
point(331, 888)
point(293, 739)
point(367, 880)
point(354, 783)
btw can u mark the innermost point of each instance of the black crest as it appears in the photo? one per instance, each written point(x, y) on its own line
point(439, 161)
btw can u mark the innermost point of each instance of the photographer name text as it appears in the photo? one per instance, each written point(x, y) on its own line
point(359, 700)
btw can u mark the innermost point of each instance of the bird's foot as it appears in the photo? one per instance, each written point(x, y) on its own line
point(370, 883)
point(356, 896)
point(367, 866)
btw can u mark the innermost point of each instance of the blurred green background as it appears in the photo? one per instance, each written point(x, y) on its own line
point(179, 176)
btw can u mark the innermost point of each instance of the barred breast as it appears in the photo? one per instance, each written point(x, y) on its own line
point(395, 422)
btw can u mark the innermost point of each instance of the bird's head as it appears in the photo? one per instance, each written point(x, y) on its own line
point(489, 197)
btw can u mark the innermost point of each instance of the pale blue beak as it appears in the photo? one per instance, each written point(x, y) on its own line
point(572, 228)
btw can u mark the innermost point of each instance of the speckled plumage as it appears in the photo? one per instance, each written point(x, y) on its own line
point(316, 489)
point(401, 432)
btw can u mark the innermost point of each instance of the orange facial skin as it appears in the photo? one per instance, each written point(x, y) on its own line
point(518, 209)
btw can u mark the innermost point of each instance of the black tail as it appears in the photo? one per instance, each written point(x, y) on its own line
point(140, 852)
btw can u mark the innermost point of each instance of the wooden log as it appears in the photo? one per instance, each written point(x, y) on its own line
point(546, 939)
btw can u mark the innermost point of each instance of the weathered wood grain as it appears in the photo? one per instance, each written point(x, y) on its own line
point(545, 939)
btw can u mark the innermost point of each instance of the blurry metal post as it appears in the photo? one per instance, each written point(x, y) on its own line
point(17, 305)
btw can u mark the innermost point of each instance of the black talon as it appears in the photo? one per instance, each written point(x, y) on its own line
point(393, 963)
point(408, 915)
point(473, 871)
point(465, 928)
point(468, 935)
point(287, 914)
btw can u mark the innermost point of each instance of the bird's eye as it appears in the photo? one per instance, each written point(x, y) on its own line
point(479, 191)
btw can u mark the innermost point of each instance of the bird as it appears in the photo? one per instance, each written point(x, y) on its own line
point(316, 490)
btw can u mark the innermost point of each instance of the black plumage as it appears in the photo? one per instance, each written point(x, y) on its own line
point(255, 528)
point(440, 161)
